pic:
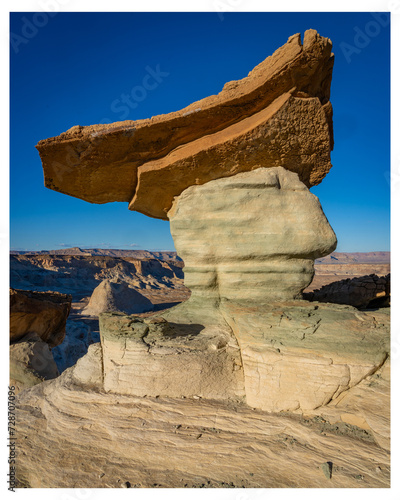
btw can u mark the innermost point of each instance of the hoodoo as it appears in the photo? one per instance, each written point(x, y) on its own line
point(162, 399)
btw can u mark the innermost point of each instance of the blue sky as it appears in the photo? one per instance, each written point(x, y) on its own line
point(74, 69)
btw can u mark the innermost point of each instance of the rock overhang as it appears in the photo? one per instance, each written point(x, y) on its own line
point(111, 162)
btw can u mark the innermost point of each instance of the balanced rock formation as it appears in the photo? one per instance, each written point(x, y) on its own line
point(279, 115)
point(116, 297)
point(363, 291)
point(43, 313)
point(161, 401)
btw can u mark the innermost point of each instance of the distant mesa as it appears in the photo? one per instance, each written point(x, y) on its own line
point(106, 252)
point(116, 297)
point(355, 258)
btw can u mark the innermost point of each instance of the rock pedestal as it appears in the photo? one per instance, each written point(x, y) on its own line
point(252, 237)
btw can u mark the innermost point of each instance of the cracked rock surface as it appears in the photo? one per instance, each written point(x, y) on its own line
point(86, 437)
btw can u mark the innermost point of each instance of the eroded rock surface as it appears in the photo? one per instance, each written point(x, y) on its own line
point(152, 357)
point(43, 313)
point(300, 355)
point(292, 132)
point(174, 442)
point(31, 362)
point(116, 297)
point(365, 406)
point(363, 291)
point(257, 117)
point(284, 356)
point(253, 236)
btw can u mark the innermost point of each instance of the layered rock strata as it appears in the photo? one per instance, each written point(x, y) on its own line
point(253, 236)
point(173, 442)
point(152, 357)
point(291, 132)
point(287, 356)
point(302, 356)
point(363, 291)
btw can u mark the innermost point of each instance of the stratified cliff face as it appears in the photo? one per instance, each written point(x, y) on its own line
point(195, 397)
point(79, 275)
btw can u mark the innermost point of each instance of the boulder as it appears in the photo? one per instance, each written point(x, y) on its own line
point(284, 95)
point(109, 296)
point(31, 362)
point(361, 292)
point(44, 313)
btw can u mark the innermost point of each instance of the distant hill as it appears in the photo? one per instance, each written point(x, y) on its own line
point(91, 252)
point(355, 258)
point(333, 258)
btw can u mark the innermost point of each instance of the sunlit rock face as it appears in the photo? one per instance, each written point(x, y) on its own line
point(278, 115)
point(251, 237)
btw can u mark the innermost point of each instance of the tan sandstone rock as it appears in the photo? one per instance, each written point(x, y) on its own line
point(152, 357)
point(116, 297)
point(285, 94)
point(31, 362)
point(292, 132)
point(253, 236)
point(43, 313)
point(366, 406)
point(170, 442)
point(363, 291)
